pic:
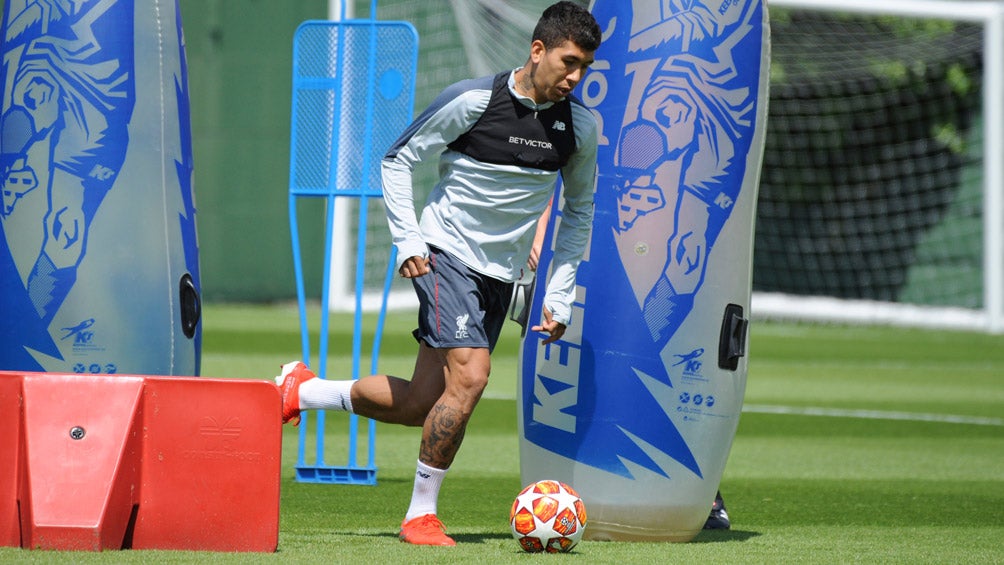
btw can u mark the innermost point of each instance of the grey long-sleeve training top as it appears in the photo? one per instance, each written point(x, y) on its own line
point(498, 171)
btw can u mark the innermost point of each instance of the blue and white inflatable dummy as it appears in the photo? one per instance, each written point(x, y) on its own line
point(637, 406)
point(98, 254)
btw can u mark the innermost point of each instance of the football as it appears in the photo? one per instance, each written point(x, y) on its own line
point(548, 516)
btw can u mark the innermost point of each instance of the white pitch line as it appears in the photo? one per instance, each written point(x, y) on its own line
point(842, 413)
point(872, 414)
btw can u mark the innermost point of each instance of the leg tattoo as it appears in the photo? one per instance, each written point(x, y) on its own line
point(444, 430)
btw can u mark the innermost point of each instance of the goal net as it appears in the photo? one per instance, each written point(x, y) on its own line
point(881, 192)
point(880, 198)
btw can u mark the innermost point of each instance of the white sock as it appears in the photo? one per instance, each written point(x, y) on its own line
point(322, 394)
point(426, 492)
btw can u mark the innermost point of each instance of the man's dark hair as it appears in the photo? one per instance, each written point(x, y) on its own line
point(567, 21)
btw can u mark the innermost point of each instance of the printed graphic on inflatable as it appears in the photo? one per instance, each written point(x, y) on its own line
point(64, 139)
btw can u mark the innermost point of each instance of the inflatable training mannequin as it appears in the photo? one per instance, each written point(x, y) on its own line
point(98, 253)
point(637, 406)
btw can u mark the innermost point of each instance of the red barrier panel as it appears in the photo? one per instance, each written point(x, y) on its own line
point(141, 462)
point(10, 442)
point(80, 447)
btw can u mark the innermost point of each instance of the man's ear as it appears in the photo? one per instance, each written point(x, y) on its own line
point(537, 50)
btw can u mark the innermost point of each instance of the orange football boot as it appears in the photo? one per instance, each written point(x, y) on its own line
point(293, 375)
point(425, 530)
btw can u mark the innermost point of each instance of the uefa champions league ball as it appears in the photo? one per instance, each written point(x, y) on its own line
point(548, 516)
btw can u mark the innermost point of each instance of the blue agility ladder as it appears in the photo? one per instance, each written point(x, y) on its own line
point(353, 94)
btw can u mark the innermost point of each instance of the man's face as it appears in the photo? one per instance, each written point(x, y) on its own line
point(558, 70)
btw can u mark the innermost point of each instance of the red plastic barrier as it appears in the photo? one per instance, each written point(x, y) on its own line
point(10, 437)
point(141, 462)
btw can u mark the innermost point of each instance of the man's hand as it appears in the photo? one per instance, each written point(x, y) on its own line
point(555, 329)
point(415, 266)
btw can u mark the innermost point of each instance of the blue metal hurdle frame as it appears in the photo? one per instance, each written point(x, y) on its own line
point(375, 62)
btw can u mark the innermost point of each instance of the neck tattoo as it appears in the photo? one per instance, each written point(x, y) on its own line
point(526, 84)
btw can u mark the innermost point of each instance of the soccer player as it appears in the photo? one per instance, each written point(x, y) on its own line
point(501, 142)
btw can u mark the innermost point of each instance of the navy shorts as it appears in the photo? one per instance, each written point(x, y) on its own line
point(459, 307)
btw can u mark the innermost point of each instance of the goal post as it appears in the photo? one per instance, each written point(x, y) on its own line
point(986, 312)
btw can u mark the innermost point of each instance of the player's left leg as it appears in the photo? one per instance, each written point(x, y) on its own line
point(467, 370)
point(466, 376)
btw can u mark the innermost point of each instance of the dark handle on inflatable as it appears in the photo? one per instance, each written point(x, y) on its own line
point(732, 343)
point(191, 306)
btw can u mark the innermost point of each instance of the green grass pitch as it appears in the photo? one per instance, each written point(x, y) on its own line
point(870, 445)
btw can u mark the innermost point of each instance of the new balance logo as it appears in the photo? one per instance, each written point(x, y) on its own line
point(462, 326)
point(559, 125)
